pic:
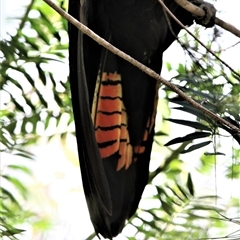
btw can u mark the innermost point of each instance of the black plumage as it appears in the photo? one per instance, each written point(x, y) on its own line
point(114, 145)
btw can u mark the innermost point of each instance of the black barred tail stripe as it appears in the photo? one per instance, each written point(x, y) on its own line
point(110, 119)
point(108, 88)
point(109, 105)
point(115, 77)
point(107, 115)
point(108, 138)
point(105, 120)
point(125, 149)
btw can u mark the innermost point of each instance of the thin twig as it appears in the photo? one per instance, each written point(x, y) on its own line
point(25, 16)
point(209, 50)
point(200, 12)
point(139, 65)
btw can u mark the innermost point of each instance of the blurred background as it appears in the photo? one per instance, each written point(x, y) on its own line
point(193, 190)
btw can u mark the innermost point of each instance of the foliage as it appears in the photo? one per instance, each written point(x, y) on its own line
point(34, 102)
point(36, 96)
point(37, 103)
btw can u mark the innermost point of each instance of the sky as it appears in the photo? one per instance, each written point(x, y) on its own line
point(60, 192)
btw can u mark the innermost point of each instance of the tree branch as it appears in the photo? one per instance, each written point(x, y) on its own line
point(199, 12)
point(139, 65)
point(186, 3)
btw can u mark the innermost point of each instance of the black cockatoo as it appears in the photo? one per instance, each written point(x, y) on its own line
point(114, 103)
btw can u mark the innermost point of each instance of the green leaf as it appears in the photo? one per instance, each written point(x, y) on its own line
point(160, 133)
point(176, 194)
point(20, 168)
point(12, 232)
point(167, 207)
point(6, 194)
point(189, 137)
point(190, 184)
point(183, 190)
point(49, 25)
point(195, 147)
point(181, 69)
point(19, 186)
point(214, 153)
point(39, 29)
point(41, 74)
point(186, 107)
point(192, 124)
point(169, 66)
